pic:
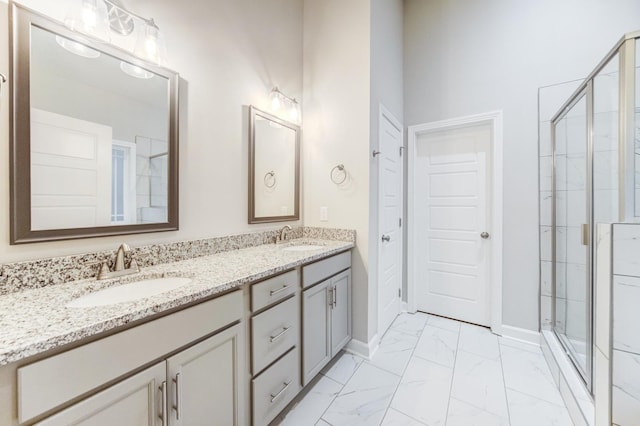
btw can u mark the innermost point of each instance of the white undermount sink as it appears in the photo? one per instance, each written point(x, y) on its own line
point(129, 292)
point(302, 247)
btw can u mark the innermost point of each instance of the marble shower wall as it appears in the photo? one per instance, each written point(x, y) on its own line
point(550, 99)
point(626, 317)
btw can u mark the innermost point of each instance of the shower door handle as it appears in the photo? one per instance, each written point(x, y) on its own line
point(585, 234)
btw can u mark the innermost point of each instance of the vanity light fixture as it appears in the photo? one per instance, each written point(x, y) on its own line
point(97, 18)
point(284, 106)
point(89, 17)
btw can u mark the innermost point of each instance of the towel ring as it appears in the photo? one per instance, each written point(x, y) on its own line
point(3, 80)
point(270, 179)
point(337, 179)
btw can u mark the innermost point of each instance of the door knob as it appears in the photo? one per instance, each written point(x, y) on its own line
point(386, 238)
point(484, 235)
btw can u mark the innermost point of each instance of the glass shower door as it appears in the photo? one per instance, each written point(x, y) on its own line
point(572, 296)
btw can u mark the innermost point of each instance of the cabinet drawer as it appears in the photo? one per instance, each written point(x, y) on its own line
point(46, 384)
point(270, 291)
point(274, 332)
point(275, 388)
point(326, 268)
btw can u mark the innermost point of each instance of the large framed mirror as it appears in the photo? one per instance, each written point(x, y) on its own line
point(274, 168)
point(94, 146)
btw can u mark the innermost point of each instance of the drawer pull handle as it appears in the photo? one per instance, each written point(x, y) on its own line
point(277, 395)
point(178, 406)
point(335, 296)
point(280, 290)
point(163, 403)
point(279, 335)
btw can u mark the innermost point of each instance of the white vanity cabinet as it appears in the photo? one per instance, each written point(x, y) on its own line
point(194, 387)
point(275, 345)
point(326, 312)
point(201, 384)
point(133, 401)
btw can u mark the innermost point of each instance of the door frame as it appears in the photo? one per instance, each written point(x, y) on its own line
point(494, 119)
point(385, 114)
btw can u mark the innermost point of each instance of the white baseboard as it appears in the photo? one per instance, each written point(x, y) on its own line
point(521, 334)
point(362, 349)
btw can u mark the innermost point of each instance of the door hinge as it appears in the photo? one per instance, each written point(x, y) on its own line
point(401, 149)
point(399, 292)
point(399, 222)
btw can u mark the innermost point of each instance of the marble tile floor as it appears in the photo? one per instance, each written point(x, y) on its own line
point(437, 372)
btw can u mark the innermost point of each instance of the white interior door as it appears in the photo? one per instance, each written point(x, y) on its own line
point(452, 235)
point(389, 221)
point(70, 172)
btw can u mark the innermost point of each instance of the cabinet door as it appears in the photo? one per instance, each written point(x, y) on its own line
point(136, 401)
point(204, 381)
point(316, 338)
point(341, 312)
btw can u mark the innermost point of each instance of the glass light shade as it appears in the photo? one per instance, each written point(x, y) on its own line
point(294, 111)
point(77, 48)
point(135, 71)
point(150, 44)
point(275, 99)
point(89, 17)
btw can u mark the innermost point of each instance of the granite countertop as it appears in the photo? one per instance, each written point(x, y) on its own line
point(37, 320)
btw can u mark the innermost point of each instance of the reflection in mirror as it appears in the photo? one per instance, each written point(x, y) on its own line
point(274, 172)
point(100, 144)
point(98, 135)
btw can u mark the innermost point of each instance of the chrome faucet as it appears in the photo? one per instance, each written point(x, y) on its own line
point(119, 267)
point(284, 234)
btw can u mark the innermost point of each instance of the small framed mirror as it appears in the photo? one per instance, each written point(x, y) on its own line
point(274, 168)
point(94, 132)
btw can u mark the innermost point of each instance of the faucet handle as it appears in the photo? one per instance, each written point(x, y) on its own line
point(133, 264)
point(104, 268)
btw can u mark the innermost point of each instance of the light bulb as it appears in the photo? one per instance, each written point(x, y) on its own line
point(150, 44)
point(294, 112)
point(89, 17)
point(276, 102)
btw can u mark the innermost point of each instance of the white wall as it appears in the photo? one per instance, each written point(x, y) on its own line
point(229, 55)
point(464, 57)
point(336, 129)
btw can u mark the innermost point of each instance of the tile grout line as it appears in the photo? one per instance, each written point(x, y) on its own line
point(504, 384)
point(402, 375)
point(341, 389)
point(563, 405)
point(453, 375)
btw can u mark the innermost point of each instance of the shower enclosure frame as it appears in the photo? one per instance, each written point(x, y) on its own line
point(626, 51)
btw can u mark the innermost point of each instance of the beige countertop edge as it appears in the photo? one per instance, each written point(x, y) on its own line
point(24, 333)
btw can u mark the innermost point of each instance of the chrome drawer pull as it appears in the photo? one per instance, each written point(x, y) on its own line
point(279, 335)
point(276, 396)
point(163, 416)
point(274, 292)
point(178, 406)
